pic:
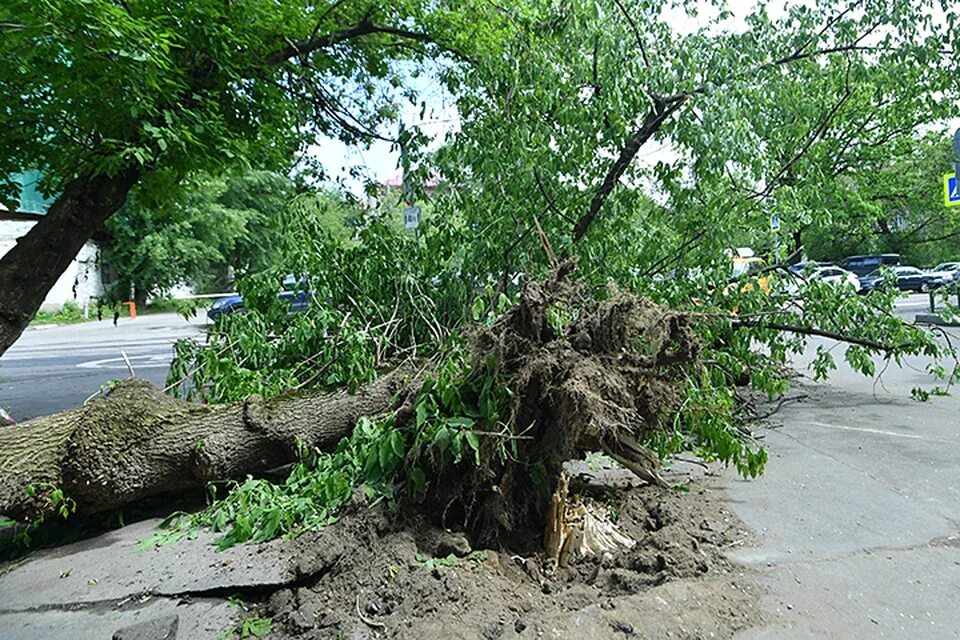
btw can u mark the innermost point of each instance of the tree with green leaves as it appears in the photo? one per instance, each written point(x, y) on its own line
point(105, 97)
point(892, 205)
point(201, 236)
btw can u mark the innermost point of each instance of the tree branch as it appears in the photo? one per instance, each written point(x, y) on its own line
point(813, 331)
point(636, 32)
point(817, 133)
point(551, 204)
point(652, 123)
point(363, 28)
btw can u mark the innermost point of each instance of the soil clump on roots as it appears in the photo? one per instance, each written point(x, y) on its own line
point(584, 375)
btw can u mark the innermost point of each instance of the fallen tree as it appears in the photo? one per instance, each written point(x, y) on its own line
point(137, 442)
point(476, 441)
point(577, 375)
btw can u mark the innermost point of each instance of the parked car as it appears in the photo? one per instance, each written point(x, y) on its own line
point(297, 293)
point(835, 275)
point(830, 274)
point(224, 305)
point(906, 279)
point(807, 266)
point(864, 265)
point(944, 273)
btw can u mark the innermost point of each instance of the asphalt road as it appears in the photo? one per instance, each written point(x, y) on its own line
point(55, 368)
point(858, 514)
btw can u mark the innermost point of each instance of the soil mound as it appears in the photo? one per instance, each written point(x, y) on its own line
point(377, 578)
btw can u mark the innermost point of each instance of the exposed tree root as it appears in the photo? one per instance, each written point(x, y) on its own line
point(585, 376)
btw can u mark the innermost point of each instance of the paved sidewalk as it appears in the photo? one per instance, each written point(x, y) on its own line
point(94, 588)
point(858, 514)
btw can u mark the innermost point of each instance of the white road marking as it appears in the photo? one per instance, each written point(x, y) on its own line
point(867, 430)
point(141, 362)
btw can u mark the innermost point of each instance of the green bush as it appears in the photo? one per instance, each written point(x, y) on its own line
point(70, 313)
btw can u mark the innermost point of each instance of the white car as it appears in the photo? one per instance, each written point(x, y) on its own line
point(833, 275)
point(945, 273)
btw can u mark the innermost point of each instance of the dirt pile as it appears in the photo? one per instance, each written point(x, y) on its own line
point(381, 579)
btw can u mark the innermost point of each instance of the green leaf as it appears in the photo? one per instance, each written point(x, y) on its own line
point(442, 439)
point(474, 443)
point(396, 443)
point(418, 479)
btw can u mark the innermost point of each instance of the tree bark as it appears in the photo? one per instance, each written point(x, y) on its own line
point(137, 442)
point(32, 267)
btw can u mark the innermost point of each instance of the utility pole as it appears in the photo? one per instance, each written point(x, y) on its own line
point(956, 157)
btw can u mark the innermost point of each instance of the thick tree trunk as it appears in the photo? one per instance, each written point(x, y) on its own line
point(136, 442)
point(32, 267)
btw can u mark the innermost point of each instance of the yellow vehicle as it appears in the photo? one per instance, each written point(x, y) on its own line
point(746, 265)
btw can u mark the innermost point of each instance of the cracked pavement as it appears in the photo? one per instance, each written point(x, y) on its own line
point(104, 586)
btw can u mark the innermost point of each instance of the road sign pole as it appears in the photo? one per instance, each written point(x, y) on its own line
point(956, 152)
point(956, 158)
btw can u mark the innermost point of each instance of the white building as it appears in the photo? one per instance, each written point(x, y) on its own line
point(82, 282)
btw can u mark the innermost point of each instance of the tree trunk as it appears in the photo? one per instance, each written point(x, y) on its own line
point(137, 442)
point(32, 267)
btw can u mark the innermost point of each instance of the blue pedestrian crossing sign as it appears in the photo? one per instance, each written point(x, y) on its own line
point(951, 190)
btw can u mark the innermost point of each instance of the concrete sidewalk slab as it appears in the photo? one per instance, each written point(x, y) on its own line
point(195, 620)
point(93, 588)
point(110, 568)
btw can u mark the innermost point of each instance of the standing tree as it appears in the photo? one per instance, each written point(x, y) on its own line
point(199, 235)
point(891, 205)
point(106, 96)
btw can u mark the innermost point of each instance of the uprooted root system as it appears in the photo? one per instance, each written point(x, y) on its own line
point(585, 376)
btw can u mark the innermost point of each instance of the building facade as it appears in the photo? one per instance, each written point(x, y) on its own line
point(82, 282)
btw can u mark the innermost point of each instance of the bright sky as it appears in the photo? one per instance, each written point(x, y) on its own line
point(379, 163)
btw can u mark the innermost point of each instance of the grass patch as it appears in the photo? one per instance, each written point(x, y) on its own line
point(71, 313)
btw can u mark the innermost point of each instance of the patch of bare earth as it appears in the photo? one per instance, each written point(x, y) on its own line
point(380, 579)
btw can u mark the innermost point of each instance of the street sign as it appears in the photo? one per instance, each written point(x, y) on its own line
point(951, 190)
point(775, 222)
point(956, 167)
point(411, 217)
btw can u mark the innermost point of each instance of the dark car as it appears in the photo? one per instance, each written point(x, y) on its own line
point(906, 279)
point(865, 265)
point(298, 295)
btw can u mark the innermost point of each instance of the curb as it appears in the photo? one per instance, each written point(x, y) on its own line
point(933, 318)
point(42, 327)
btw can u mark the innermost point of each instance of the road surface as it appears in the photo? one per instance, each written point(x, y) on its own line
point(50, 369)
point(858, 515)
